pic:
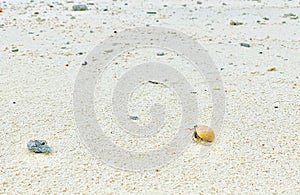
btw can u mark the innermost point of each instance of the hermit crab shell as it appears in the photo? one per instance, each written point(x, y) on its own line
point(203, 133)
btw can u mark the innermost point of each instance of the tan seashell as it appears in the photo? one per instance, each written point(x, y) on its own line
point(203, 133)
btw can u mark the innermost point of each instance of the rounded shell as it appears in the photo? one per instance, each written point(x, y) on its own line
point(204, 133)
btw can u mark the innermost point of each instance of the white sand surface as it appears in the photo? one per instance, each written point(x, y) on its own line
point(257, 150)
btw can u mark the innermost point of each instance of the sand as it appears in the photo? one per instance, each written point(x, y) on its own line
point(256, 151)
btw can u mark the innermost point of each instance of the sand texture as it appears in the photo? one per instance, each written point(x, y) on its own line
point(43, 45)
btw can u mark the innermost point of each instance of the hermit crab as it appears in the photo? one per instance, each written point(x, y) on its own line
point(203, 134)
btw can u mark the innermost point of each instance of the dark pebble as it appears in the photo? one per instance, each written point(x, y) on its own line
point(134, 118)
point(245, 44)
point(151, 12)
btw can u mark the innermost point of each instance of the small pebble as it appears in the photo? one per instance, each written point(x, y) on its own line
point(151, 12)
point(134, 118)
point(38, 146)
point(245, 44)
point(108, 51)
point(79, 7)
point(160, 54)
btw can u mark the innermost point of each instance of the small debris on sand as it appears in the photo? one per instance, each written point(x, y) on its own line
point(90, 3)
point(108, 51)
point(134, 118)
point(154, 82)
point(291, 16)
point(233, 23)
point(38, 146)
point(151, 12)
point(272, 69)
point(245, 44)
point(161, 54)
point(79, 7)
point(14, 50)
point(294, 18)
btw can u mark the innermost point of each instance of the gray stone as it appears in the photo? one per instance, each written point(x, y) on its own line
point(79, 7)
point(38, 146)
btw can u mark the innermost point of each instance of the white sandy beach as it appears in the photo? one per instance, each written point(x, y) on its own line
point(256, 151)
